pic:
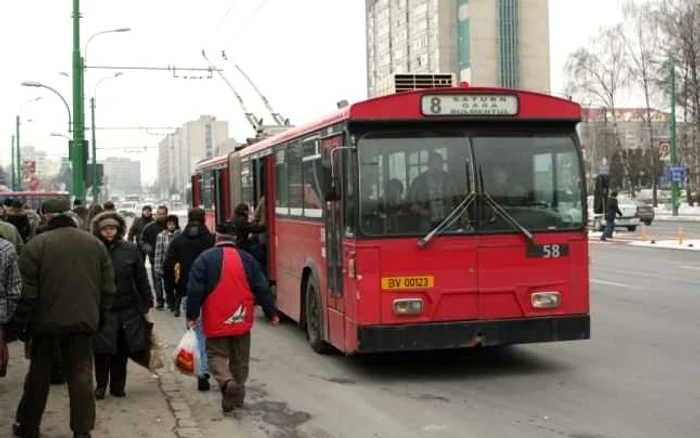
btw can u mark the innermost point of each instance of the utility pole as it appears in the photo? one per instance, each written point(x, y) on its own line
point(94, 151)
point(18, 160)
point(14, 166)
point(674, 152)
point(77, 149)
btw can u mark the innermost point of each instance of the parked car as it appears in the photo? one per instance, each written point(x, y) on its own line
point(128, 209)
point(629, 218)
point(645, 212)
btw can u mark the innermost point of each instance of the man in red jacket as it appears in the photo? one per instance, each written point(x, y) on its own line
point(224, 284)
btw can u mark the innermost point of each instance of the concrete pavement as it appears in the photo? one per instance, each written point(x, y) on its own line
point(143, 413)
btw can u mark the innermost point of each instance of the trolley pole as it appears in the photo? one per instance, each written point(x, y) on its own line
point(675, 195)
point(77, 145)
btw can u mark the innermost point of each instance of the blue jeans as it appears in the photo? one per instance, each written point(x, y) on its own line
point(201, 344)
point(609, 229)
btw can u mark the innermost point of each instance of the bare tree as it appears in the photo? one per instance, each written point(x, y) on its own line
point(680, 24)
point(641, 36)
point(598, 72)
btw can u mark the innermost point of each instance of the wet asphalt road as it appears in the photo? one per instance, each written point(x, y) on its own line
point(637, 377)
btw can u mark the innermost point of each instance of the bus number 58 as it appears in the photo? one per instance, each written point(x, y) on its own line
point(551, 251)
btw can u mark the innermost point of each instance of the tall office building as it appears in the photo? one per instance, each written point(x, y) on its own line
point(484, 42)
point(122, 175)
point(179, 153)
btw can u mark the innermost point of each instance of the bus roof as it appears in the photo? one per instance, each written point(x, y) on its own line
point(410, 106)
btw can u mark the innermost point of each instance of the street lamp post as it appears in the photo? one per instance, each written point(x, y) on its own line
point(674, 147)
point(17, 158)
point(95, 188)
point(53, 90)
point(77, 147)
point(78, 105)
point(13, 167)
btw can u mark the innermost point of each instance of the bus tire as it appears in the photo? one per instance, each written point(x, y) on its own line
point(313, 317)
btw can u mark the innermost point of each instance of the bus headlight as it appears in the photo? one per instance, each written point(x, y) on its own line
point(408, 306)
point(545, 300)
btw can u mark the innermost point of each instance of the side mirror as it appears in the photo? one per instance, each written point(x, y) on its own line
point(333, 195)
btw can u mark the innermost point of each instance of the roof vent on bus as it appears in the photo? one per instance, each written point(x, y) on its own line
point(402, 82)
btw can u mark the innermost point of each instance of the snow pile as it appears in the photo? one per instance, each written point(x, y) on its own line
point(687, 245)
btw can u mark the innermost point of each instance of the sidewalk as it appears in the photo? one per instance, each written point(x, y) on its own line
point(143, 413)
point(197, 413)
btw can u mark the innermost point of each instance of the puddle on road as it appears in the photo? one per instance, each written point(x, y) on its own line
point(277, 418)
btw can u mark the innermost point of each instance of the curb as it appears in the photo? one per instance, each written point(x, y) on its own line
point(171, 387)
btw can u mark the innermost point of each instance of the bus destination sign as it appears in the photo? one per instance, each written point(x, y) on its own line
point(469, 105)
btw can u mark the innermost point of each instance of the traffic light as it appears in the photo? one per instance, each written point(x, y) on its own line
point(100, 175)
point(86, 155)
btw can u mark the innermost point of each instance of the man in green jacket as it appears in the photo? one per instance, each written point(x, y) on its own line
point(67, 284)
point(9, 232)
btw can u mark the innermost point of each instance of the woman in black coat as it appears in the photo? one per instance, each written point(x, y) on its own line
point(123, 331)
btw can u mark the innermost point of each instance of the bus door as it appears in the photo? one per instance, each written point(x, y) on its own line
point(221, 198)
point(333, 216)
point(260, 167)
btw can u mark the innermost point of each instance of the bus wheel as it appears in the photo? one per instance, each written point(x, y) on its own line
point(314, 319)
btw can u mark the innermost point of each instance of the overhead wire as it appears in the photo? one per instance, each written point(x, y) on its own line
point(228, 12)
point(247, 23)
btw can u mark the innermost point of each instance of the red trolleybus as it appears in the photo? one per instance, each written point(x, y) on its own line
point(430, 219)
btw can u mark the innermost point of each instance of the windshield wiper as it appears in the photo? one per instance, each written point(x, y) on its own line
point(449, 220)
point(503, 213)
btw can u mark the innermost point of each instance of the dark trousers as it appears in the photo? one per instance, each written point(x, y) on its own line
point(609, 229)
point(77, 353)
point(229, 358)
point(111, 368)
point(170, 299)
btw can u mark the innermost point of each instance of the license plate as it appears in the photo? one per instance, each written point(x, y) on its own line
point(553, 251)
point(403, 283)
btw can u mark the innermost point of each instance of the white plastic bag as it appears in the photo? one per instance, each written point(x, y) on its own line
point(186, 359)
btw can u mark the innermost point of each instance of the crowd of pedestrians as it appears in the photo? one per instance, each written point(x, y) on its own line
point(84, 313)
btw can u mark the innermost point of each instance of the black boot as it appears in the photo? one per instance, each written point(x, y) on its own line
point(203, 383)
point(82, 435)
point(21, 431)
point(100, 393)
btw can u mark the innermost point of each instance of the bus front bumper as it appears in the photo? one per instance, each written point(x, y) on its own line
point(464, 334)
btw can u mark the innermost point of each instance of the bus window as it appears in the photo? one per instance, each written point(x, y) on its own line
point(296, 203)
point(208, 189)
point(521, 173)
point(312, 180)
point(411, 181)
point(247, 187)
point(281, 183)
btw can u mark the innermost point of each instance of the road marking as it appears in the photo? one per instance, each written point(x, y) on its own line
point(612, 283)
point(694, 268)
point(619, 271)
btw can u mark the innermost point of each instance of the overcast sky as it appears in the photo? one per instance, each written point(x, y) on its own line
point(305, 55)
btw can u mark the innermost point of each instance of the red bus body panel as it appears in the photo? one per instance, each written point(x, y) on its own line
point(482, 282)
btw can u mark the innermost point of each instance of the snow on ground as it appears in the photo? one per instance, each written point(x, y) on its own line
point(687, 245)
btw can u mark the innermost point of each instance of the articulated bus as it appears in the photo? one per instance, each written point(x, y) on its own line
point(431, 219)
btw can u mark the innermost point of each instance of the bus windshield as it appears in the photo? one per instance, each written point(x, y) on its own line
point(410, 182)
